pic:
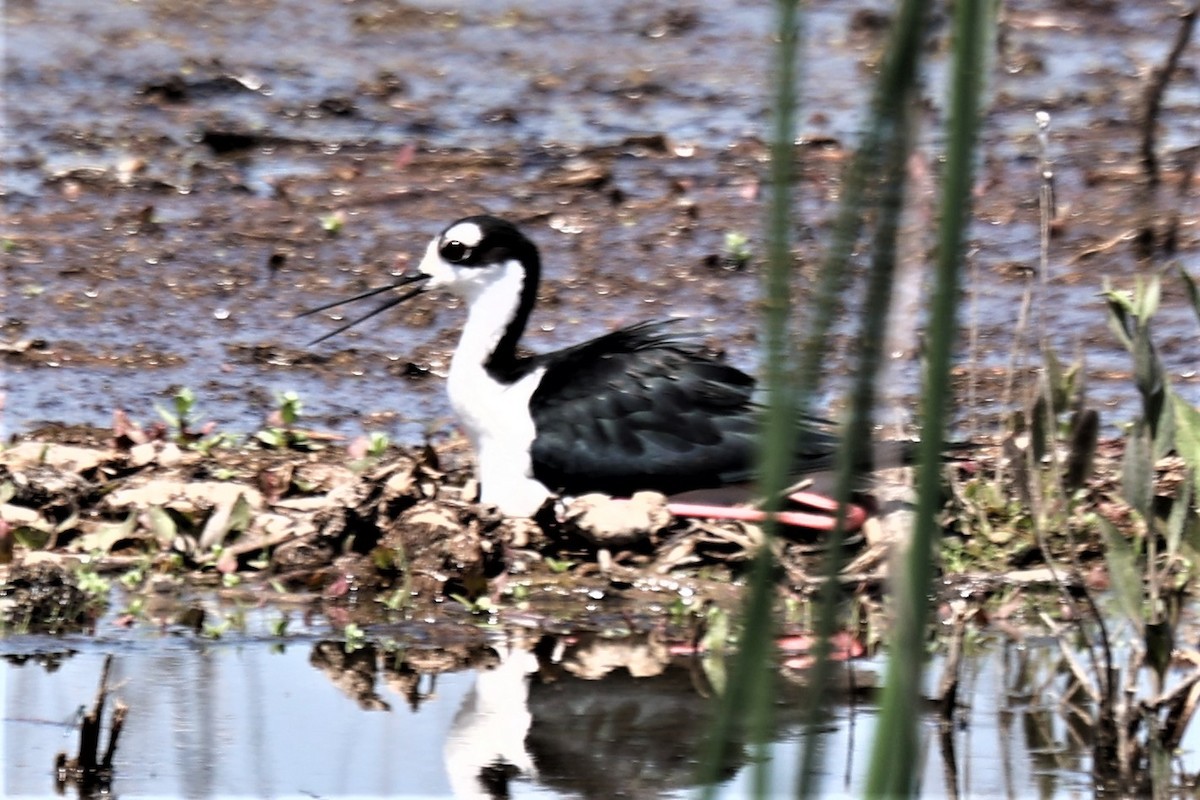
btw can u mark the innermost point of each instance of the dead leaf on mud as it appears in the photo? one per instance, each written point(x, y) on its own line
point(105, 538)
point(187, 496)
point(66, 457)
point(608, 522)
point(270, 530)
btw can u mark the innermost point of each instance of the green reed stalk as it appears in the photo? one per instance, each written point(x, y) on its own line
point(858, 426)
point(885, 145)
point(894, 757)
point(750, 691)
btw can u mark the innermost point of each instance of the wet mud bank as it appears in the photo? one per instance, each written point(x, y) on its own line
point(384, 532)
point(175, 195)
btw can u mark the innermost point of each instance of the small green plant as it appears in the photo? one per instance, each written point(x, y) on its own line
point(133, 578)
point(558, 565)
point(1151, 557)
point(397, 599)
point(89, 581)
point(215, 631)
point(279, 626)
point(356, 637)
point(366, 451)
point(182, 418)
point(136, 606)
point(281, 431)
point(377, 443)
point(479, 606)
point(737, 252)
point(207, 444)
point(333, 223)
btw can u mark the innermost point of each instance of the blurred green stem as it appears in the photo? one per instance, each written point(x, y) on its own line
point(749, 694)
point(895, 754)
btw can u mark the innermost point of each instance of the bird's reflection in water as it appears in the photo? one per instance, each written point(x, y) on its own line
point(586, 715)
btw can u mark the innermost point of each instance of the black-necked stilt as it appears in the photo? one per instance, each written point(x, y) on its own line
point(640, 408)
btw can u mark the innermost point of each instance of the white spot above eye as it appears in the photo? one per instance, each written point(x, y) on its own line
point(468, 233)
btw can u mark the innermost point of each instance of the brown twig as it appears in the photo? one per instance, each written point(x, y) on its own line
point(948, 687)
point(92, 774)
point(1151, 109)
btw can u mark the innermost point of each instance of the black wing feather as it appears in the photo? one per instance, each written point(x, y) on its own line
point(643, 408)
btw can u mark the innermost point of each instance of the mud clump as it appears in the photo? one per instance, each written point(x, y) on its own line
point(45, 598)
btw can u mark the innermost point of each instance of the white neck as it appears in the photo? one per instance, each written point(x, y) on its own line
point(492, 297)
point(495, 415)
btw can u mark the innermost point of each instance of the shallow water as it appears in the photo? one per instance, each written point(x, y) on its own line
point(251, 714)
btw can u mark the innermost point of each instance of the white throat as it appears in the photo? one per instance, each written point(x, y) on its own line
point(493, 296)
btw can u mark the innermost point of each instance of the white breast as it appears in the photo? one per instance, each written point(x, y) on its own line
point(497, 421)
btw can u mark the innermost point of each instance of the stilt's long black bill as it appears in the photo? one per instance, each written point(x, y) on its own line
point(403, 280)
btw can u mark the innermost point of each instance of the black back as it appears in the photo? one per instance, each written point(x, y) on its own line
point(640, 409)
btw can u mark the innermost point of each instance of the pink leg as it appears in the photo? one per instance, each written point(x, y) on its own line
point(855, 515)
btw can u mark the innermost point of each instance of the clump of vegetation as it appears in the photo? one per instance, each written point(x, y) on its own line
point(281, 431)
point(1045, 503)
point(182, 419)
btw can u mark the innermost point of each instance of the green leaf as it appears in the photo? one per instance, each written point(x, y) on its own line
point(1164, 435)
point(1148, 373)
point(239, 518)
point(1193, 292)
point(1039, 440)
point(1122, 569)
point(1120, 310)
point(1187, 432)
point(30, 537)
point(1190, 540)
point(272, 437)
point(1177, 519)
point(1137, 470)
point(1085, 433)
point(1148, 295)
point(163, 525)
point(1056, 379)
point(170, 418)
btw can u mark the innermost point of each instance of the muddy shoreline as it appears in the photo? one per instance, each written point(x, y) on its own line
point(179, 196)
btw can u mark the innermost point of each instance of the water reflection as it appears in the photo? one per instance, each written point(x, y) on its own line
point(513, 714)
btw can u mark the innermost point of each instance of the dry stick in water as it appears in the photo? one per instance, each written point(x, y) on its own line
point(87, 770)
point(1146, 240)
